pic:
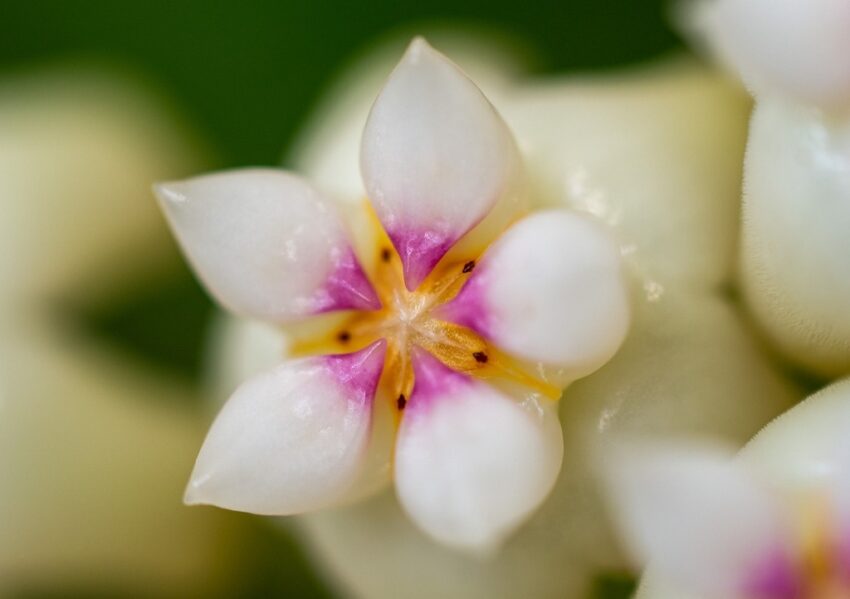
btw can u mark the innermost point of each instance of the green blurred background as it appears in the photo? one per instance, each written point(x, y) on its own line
point(243, 76)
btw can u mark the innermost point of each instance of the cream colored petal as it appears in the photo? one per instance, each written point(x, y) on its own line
point(703, 520)
point(805, 449)
point(802, 454)
point(93, 450)
point(93, 459)
point(798, 49)
point(656, 153)
point(795, 241)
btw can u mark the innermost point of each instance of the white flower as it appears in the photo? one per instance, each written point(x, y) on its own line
point(772, 524)
point(463, 350)
point(656, 151)
point(795, 57)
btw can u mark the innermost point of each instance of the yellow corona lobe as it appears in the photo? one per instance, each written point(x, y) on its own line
point(407, 320)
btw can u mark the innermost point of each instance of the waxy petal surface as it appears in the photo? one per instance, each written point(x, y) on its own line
point(471, 462)
point(802, 454)
point(795, 243)
point(703, 521)
point(550, 290)
point(799, 49)
point(266, 244)
point(292, 439)
point(436, 158)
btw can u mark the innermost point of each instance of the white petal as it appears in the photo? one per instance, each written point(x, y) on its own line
point(436, 159)
point(244, 348)
point(266, 244)
point(293, 439)
point(551, 290)
point(702, 519)
point(805, 451)
point(327, 148)
point(798, 48)
point(471, 463)
point(795, 242)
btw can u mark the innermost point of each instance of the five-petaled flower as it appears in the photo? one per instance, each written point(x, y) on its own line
point(715, 527)
point(426, 359)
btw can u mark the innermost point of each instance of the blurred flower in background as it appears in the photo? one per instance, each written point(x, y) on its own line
point(771, 523)
point(91, 465)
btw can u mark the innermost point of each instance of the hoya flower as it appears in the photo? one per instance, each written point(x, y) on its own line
point(795, 57)
point(772, 524)
point(656, 152)
point(452, 331)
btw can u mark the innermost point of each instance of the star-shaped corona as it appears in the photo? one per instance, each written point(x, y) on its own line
point(432, 329)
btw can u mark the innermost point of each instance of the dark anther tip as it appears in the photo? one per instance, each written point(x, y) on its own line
point(480, 357)
point(344, 337)
point(401, 401)
point(386, 254)
point(469, 266)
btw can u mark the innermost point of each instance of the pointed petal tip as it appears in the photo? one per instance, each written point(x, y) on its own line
point(169, 191)
point(290, 440)
point(418, 48)
point(191, 495)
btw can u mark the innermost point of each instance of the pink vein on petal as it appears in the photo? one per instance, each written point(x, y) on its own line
point(347, 288)
point(432, 379)
point(420, 250)
point(360, 371)
point(469, 307)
